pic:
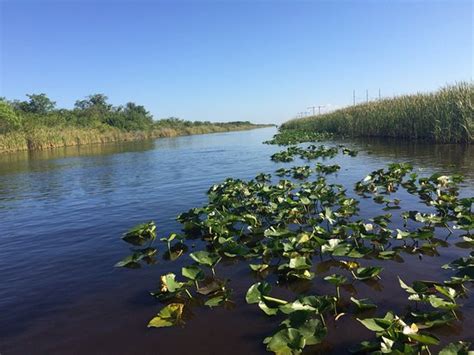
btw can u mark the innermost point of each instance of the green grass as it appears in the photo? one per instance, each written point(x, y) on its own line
point(445, 116)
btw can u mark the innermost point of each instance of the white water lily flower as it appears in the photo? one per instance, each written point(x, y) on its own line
point(443, 180)
point(400, 321)
point(413, 329)
point(369, 227)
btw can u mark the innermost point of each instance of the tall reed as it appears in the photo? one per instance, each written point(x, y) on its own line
point(445, 116)
point(41, 137)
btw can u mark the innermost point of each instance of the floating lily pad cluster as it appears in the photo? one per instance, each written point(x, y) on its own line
point(288, 137)
point(309, 153)
point(283, 228)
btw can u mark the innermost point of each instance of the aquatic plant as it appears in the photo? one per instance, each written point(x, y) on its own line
point(291, 137)
point(285, 229)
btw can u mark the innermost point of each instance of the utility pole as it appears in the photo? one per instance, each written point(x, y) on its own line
point(353, 97)
point(319, 107)
point(380, 96)
point(367, 95)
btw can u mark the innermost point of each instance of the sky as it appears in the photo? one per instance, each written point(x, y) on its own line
point(262, 61)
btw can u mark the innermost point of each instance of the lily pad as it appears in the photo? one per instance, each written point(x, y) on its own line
point(205, 258)
point(168, 316)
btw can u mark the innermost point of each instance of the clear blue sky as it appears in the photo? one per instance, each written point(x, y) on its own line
point(232, 60)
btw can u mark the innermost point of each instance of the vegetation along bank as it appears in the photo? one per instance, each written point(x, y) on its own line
point(37, 124)
point(445, 116)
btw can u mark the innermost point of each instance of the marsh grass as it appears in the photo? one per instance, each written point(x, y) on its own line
point(40, 138)
point(445, 116)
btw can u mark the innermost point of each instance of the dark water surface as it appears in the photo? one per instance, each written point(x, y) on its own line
point(62, 213)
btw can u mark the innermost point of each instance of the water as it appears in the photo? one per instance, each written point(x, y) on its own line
point(62, 213)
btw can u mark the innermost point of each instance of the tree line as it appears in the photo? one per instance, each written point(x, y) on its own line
point(93, 111)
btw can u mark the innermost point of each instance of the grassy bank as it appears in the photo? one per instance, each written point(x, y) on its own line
point(54, 137)
point(445, 116)
point(37, 123)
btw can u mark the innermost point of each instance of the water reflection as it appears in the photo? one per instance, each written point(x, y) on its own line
point(44, 160)
point(447, 158)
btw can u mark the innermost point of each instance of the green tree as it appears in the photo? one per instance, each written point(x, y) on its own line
point(95, 101)
point(37, 103)
point(9, 120)
point(130, 117)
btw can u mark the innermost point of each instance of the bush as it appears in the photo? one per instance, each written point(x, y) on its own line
point(9, 120)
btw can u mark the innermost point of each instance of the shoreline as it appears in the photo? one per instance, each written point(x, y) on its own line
point(45, 139)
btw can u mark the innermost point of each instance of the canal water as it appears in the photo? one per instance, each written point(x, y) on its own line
point(63, 211)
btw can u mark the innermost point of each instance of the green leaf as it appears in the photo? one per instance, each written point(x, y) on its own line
point(336, 247)
point(170, 238)
point(432, 319)
point(459, 348)
point(130, 261)
point(269, 311)
point(193, 272)
point(440, 303)
point(168, 316)
point(259, 293)
point(211, 286)
point(366, 273)
point(406, 287)
point(205, 258)
point(295, 306)
point(387, 255)
point(313, 331)
point(277, 233)
point(336, 279)
point(214, 301)
point(286, 342)
point(169, 284)
point(141, 234)
point(424, 338)
point(447, 291)
point(363, 304)
point(377, 324)
point(256, 291)
point(133, 261)
point(259, 267)
point(299, 263)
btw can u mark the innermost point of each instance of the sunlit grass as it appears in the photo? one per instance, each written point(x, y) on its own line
point(39, 138)
point(445, 116)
